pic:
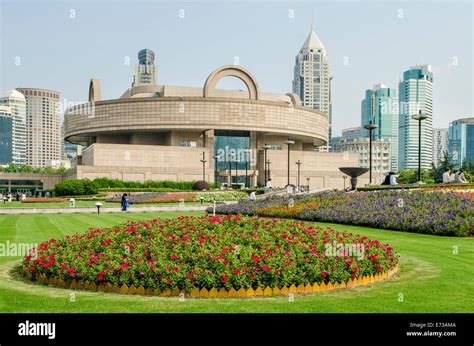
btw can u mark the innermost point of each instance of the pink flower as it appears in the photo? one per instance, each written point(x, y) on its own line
point(125, 265)
point(265, 268)
point(324, 274)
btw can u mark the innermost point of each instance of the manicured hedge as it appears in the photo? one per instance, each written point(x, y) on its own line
point(75, 187)
point(113, 184)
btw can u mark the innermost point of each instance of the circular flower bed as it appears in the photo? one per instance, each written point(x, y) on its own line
point(211, 252)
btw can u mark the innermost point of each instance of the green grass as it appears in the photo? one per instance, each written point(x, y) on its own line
point(431, 278)
point(15, 204)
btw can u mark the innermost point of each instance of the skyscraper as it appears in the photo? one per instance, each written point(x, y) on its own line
point(381, 107)
point(461, 141)
point(440, 145)
point(415, 94)
point(312, 78)
point(145, 70)
point(17, 104)
point(43, 126)
point(6, 135)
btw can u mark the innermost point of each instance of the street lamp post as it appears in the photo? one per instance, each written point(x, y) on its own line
point(229, 158)
point(268, 168)
point(370, 127)
point(298, 181)
point(203, 166)
point(216, 157)
point(289, 142)
point(419, 117)
point(265, 148)
point(247, 152)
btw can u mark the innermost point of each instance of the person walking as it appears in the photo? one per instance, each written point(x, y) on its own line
point(124, 202)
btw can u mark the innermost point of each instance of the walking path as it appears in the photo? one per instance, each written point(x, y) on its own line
point(93, 210)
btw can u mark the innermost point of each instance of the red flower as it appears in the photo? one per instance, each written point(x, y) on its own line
point(324, 274)
point(32, 268)
point(169, 281)
point(265, 268)
point(356, 269)
point(237, 218)
point(71, 270)
point(125, 265)
point(185, 237)
point(175, 269)
point(236, 271)
point(174, 257)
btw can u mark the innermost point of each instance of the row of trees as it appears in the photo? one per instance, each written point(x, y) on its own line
point(14, 168)
point(435, 174)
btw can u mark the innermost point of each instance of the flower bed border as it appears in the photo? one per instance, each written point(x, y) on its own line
point(212, 293)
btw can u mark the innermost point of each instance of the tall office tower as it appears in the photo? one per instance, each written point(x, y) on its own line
point(17, 103)
point(461, 141)
point(312, 78)
point(415, 94)
point(380, 106)
point(440, 145)
point(145, 70)
point(6, 135)
point(43, 126)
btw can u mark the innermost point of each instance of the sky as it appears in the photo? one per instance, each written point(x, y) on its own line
point(60, 45)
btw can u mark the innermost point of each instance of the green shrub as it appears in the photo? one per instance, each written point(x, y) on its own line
point(75, 187)
point(221, 196)
point(200, 185)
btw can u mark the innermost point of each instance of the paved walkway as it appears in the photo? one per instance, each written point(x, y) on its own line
point(93, 210)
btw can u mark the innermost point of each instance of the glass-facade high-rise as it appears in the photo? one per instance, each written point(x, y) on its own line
point(380, 106)
point(415, 94)
point(461, 141)
point(6, 135)
point(43, 126)
point(17, 104)
point(145, 70)
point(440, 145)
point(312, 77)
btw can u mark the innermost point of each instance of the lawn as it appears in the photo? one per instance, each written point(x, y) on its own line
point(436, 275)
point(15, 204)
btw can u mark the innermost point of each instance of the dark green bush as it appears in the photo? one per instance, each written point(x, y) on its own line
point(75, 187)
